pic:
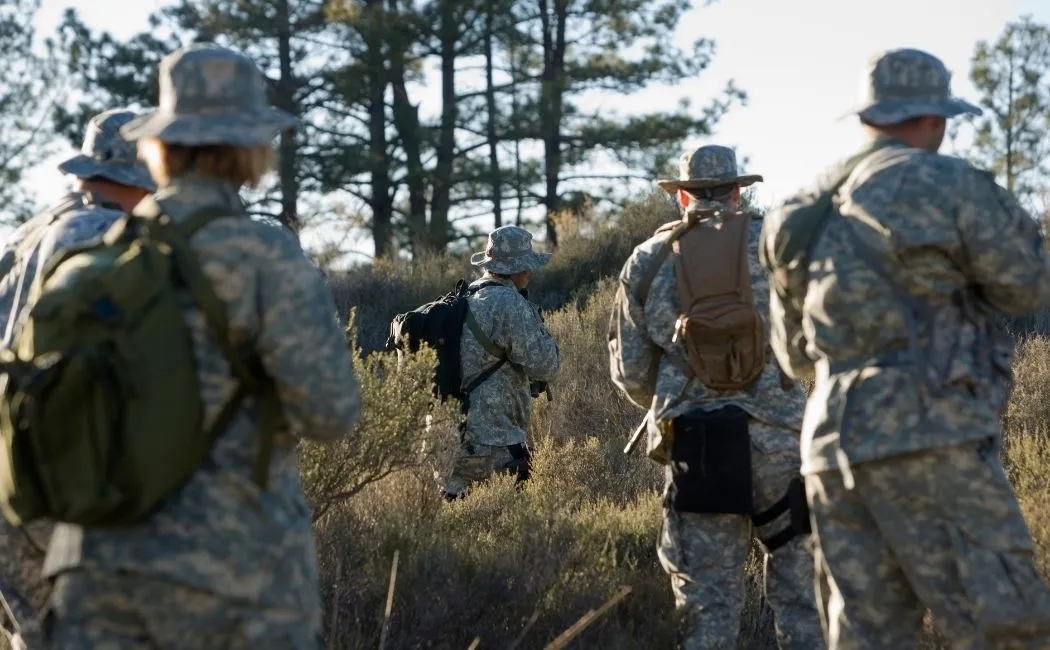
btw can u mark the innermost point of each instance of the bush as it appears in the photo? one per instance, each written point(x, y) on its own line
point(585, 525)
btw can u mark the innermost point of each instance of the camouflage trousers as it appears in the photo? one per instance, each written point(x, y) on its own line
point(939, 529)
point(118, 611)
point(706, 557)
point(474, 463)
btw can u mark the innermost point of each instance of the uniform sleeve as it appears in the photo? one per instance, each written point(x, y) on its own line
point(303, 347)
point(787, 338)
point(1005, 251)
point(528, 342)
point(634, 359)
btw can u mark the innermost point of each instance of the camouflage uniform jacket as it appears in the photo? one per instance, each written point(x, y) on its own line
point(501, 407)
point(219, 533)
point(959, 247)
point(76, 218)
point(641, 351)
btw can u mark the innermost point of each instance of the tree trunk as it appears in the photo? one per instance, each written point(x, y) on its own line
point(551, 100)
point(285, 97)
point(441, 199)
point(381, 201)
point(406, 121)
point(495, 177)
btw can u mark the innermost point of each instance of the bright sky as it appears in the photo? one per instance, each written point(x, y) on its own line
point(799, 60)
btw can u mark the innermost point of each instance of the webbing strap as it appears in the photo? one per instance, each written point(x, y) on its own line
point(661, 256)
point(483, 339)
point(767, 516)
point(776, 540)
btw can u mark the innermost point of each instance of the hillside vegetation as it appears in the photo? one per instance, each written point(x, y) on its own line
point(516, 568)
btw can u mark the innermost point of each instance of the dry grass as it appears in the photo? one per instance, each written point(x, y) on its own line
point(584, 527)
point(509, 562)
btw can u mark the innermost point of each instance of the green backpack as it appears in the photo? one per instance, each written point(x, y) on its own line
point(100, 409)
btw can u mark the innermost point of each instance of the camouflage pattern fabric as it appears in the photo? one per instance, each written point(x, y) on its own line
point(960, 233)
point(108, 607)
point(475, 463)
point(509, 251)
point(903, 83)
point(938, 529)
point(211, 95)
point(501, 407)
point(76, 218)
point(219, 534)
point(705, 555)
point(906, 375)
point(641, 349)
point(106, 155)
point(707, 166)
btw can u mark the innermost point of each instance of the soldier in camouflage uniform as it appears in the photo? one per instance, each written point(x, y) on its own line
point(705, 554)
point(493, 438)
point(109, 180)
point(220, 564)
point(910, 506)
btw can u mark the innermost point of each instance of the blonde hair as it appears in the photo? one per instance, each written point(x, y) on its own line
point(238, 165)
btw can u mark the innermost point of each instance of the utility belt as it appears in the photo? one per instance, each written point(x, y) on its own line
point(711, 473)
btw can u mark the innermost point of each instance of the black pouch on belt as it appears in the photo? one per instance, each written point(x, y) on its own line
point(711, 463)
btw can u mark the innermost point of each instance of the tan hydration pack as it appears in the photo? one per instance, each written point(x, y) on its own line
point(719, 324)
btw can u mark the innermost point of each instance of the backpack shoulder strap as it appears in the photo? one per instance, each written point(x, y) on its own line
point(475, 329)
point(251, 379)
point(483, 338)
point(688, 221)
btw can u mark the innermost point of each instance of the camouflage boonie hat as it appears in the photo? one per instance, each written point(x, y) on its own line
point(509, 251)
point(707, 166)
point(901, 84)
point(211, 95)
point(106, 154)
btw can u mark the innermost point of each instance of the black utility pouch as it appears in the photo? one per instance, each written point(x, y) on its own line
point(711, 463)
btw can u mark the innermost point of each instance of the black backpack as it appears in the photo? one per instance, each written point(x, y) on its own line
point(439, 324)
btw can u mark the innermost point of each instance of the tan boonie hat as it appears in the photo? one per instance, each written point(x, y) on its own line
point(211, 95)
point(901, 84)
point(708, 166)
point(509, 251)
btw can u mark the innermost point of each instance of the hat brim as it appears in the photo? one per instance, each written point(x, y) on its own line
point(83, 166)
point(671, 185)
point(244, 129)
point(895, 111)
point(528, 262)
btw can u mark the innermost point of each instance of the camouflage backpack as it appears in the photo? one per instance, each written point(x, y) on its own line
point(723, 333)
point(100, 409)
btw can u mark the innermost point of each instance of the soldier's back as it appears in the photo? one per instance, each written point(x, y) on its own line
point(220, 533)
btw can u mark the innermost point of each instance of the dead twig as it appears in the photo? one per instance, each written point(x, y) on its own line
point(528, 626)
point(389, 602)
point(579, 626)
